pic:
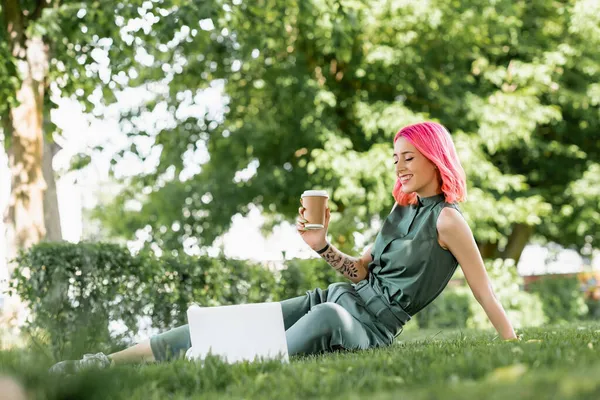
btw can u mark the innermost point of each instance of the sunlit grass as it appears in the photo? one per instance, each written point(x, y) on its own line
point(550, 362)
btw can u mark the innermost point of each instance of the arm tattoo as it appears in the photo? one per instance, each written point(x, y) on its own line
point(348, 266)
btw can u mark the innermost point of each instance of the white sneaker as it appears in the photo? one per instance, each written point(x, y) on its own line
point(98, 360)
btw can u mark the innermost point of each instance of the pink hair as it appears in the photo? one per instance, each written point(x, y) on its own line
point(435, 143)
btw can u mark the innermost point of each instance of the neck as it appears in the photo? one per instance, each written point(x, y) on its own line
point(430, 190)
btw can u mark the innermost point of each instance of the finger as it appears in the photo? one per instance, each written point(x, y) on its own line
point(301, 211)
point(301, 220)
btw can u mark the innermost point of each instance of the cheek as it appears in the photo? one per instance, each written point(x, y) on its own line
point(424, 171)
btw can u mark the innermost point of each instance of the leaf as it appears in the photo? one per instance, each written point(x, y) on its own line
point(507, 374)
point(79, 161)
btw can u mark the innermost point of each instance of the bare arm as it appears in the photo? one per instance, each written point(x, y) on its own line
point(455, 234)
point(353, 268)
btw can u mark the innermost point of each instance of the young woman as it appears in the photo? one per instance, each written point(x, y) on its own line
point(420, 245)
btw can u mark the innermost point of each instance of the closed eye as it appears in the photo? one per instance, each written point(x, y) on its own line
point(408, 159)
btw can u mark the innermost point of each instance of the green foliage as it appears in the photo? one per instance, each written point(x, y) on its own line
point(8, 78)
point(522, 308)
point(80, 161)
point(174, 282)
point(593, 308)
point(9, 81)
point(301, 275)
point(456, 307)
point(562, 298)
point(449, 310)
point(562, 364)
point(76, 291)
point(314, 92)
point(583, 211)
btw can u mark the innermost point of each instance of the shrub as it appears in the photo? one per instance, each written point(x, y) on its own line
point(78, 292)
point(301, 275)
point(457, 307)
point(522, 308)
point(593, 308)
point(561, 297)
point(75, 291)
point(178, 281)
point(449, 310)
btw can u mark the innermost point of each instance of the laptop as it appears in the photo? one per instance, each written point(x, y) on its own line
point(243, 332)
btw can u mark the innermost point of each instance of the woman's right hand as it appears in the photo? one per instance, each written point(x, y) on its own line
point(315, 238)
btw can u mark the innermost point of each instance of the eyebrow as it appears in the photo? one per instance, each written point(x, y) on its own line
point(404, 152)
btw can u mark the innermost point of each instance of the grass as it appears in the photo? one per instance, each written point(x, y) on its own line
point(555, 362)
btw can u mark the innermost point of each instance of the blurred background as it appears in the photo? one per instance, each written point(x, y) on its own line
point(154, 153)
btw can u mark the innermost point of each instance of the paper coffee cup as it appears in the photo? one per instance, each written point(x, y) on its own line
point(10, 389)
point(315, 205)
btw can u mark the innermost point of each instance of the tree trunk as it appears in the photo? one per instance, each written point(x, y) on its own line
point(51, 211)
point(517, 241)
point(488, 250)
point(25, 214)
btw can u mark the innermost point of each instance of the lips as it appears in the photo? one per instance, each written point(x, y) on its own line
point(405, 178)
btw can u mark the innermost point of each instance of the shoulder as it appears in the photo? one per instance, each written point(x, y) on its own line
point(451, 224)
point(449, 218)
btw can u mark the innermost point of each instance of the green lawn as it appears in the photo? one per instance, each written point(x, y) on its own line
point(557, 362)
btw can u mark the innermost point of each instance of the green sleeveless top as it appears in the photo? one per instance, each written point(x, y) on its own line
point(409, 266)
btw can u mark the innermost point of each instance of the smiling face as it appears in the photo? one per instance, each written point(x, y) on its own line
point(415, 171)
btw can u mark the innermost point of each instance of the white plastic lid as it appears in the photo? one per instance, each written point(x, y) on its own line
point(315, 193)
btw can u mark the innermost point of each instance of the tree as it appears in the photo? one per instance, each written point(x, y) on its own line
point(48, 46)
point(23, 124)
point(314, 92)
point(51, 211)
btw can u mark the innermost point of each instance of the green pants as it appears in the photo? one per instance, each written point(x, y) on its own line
point(343, 316)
